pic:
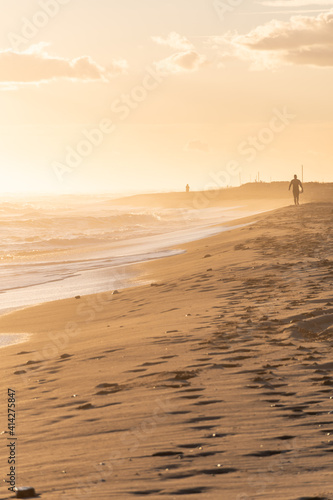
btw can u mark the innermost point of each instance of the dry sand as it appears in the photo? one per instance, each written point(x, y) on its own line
point(213, 382)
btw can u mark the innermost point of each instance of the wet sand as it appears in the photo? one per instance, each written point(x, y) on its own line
point(212, 382)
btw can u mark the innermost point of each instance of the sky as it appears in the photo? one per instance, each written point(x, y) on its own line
point(109, 96)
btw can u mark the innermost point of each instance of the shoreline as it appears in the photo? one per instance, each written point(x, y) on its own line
point(7, 340)
point(123, 276)
point(129, 280)
point(212, 380)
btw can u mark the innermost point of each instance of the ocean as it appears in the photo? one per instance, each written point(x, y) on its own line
point(59, 247)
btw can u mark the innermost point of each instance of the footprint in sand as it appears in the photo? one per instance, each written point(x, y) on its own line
point(204, 427)
point(106, 393)
point(190, 446)
point(204, 454)
point(107, 389)
point(266, 453)
point(218, 471)
point(87, 406)
point(110, 351)
point(312, 498)
point(225, 365)
point(285, 437)
point(137, 370)
point(66, 356)
point(202, 419)
point(193, 396)
point(182, 374)
point(206, 403)
point(153, 363)
point(145, 492)
point(168, 453)
point(239, 358)
point(193, 389)
point(200, 365)
point(190, 491)
point(177, 475)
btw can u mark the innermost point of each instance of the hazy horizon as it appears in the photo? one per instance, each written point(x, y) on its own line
point(129, 99)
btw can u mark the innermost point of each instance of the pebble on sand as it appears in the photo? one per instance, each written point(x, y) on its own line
point(25, 492)
point(115, 292)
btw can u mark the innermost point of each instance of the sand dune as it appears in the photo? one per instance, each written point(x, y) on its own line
point(212, 382)
point(271, 195)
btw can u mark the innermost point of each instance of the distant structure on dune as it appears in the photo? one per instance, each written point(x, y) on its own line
point(187, 188)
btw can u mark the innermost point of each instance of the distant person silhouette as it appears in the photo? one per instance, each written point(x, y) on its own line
point(187, 188)
point(296, 184)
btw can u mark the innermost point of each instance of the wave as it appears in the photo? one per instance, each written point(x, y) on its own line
point(113, 220)
point(22, 245)
point(25, 230)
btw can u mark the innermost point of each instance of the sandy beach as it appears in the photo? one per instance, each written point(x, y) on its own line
point(166, 250)
point(212, 381)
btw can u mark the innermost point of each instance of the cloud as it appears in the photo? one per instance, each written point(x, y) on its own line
point(175, 41)
point(35, 65)
point(187, 59)
point(300, 41)
point(197, 145)
point(182, 62)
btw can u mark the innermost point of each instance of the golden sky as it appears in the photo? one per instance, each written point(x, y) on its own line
point(121, 96)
